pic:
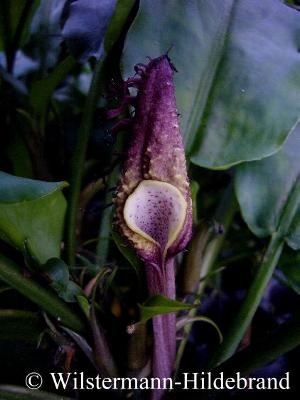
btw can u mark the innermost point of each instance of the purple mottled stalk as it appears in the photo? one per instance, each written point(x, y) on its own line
point(164, 326)
point(153, 204)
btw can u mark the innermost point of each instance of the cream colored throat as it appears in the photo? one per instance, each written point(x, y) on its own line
point(156, 211)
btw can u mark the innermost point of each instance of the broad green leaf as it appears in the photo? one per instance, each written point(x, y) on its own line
point(32, 215)
point(58, 272)
point(46, 299)
point(238, 80)
point(268, 192)
point(20, 325)
point(157, 305)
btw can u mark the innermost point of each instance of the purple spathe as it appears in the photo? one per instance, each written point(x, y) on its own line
point(156, 154)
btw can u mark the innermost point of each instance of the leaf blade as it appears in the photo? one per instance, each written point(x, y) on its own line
point(268, 192)
point(238, 99)
point(157, 305)
point(32, 212)
point(11, 274)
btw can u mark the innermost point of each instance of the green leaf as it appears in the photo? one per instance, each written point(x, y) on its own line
point(32, 212)
point(84, 305)
point(289, 270)
point(291, 277)
point(117, 22)
point(58, 271)
point(268, 348)
point(238, 81)
point(46, 299)
point(20, 325)
point(268, 192)
point(194, 193)
point(107, 214)
point(97, 86)
point(11, 12)
point(45, 40)
point(127, 251)
point(157, 305)
point(181, 323)
point(42, 90)
point(19, 156)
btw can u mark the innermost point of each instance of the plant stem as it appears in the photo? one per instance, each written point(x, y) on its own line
point(47, 300)
point(285, 338)
point(104, 234)
point(12, 37)
point(103, 240)
point(78, 160)
point(15, 43)
point(243, 319)
point(224, 214)
point(162, 281)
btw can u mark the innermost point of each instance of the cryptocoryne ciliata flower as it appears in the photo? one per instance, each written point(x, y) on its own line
point(153, 203)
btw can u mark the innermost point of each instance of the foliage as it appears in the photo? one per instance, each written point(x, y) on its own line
point(32, 215)
point(161, 305)
point(67, 279)
point(233, 79)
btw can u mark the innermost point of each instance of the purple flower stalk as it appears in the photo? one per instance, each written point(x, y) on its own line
point(153, 204)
